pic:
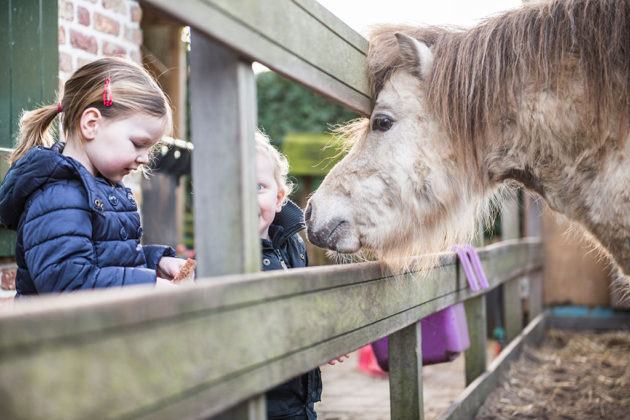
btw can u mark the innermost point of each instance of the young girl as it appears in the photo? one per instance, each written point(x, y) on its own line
point(78, 225)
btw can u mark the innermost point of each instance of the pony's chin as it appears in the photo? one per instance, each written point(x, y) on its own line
point(347, 244)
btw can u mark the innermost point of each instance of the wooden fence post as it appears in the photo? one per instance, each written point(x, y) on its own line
point(532, 226)
point(476, 359)
point(512, 305)
point(223, 104)
point(476, 319)
point(512, 309)
point(405, 373)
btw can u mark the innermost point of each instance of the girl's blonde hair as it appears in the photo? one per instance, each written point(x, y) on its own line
point(279, 162)
point(132, 90)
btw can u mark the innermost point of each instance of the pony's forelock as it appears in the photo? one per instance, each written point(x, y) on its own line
point(349, 134)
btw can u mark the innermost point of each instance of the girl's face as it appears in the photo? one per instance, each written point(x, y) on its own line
point(269, 197)
point(115, 148)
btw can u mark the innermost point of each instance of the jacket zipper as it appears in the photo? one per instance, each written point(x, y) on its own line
point(282, 263)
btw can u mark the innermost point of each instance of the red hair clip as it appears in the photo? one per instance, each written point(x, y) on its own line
point(107, 94)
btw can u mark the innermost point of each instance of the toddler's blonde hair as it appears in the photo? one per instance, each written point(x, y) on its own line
point(279, 162)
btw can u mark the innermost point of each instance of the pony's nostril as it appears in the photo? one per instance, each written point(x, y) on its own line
point(329, 234)
point(308, 211)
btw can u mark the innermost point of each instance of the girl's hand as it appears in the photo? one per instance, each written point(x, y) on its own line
point(339, 359)
point(168, 267)
point(161, 283)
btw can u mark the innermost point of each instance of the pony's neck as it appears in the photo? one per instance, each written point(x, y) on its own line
point(578, 175)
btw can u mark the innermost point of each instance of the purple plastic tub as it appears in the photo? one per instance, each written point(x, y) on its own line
point(444, 337)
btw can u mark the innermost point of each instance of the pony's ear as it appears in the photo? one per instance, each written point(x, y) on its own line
point(415, 54)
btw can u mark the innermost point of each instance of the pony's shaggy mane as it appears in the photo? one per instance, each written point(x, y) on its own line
point(478, 73)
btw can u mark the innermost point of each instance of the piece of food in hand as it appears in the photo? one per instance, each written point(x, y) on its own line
point(186, 273)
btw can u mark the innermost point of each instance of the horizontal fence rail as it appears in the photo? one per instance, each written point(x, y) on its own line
point(299, 39)
point(195, 351)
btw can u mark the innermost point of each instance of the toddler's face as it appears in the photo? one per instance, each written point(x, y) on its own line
point(269, 197)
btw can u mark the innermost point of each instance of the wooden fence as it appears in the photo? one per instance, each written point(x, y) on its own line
point(214, 348)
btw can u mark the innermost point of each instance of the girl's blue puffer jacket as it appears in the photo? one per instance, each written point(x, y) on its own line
point(75, 231)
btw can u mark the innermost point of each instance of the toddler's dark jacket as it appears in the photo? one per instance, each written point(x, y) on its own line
point(74, 230)
point(293, 399)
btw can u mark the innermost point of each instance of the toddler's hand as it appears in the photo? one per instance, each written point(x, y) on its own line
point(339, 359)
point(168, 267)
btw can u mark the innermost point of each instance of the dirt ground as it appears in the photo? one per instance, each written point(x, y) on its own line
point(573, 375)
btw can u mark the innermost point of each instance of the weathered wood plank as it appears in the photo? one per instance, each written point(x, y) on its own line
point(223, 98)
point(230, 391)
point(405, 373)
point(333, 23)
point(294, 38)
point(159, 208)
point(475, 355)
point(510, 222)
point(535, 293)
point(198, 350)
point(466, 405)
point(532, 215)
point(118, 308)
point(512, 309)
point(532, 227)
point(600, 319)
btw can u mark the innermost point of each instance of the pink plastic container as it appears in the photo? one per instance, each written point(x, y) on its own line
point(444, 337)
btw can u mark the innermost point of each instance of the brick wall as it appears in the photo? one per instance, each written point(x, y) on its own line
point(89, 29)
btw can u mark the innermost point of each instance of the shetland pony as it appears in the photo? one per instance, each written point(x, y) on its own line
point(538, 95)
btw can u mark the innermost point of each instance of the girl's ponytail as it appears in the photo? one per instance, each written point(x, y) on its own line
point(34, 130)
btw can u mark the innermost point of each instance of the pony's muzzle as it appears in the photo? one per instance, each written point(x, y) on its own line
point(334, 234)
point(328, 235)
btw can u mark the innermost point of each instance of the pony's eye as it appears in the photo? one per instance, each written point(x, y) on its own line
point(382, 123)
